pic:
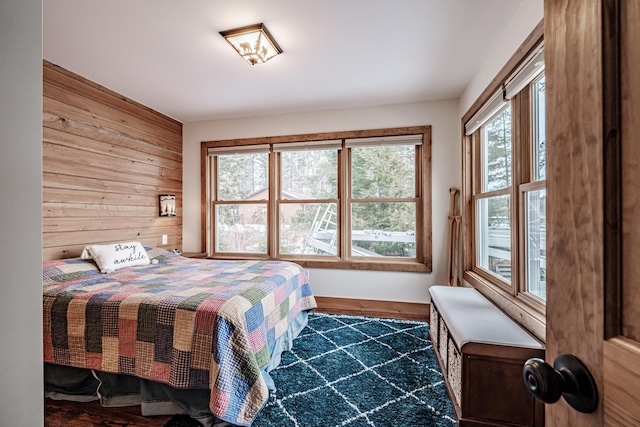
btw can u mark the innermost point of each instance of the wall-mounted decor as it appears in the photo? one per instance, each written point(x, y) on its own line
point(167, 204)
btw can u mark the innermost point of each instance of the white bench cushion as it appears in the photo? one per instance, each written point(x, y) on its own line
point(470, 317)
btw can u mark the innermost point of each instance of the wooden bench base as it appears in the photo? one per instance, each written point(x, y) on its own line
point(481, 352)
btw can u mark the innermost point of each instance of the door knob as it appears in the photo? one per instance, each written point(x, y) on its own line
point(568, 377)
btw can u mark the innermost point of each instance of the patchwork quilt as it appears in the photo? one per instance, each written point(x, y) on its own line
point(189, 323)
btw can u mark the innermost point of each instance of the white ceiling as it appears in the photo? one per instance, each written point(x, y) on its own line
point(169, 56)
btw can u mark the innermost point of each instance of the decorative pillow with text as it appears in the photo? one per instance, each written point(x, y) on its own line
point(115, 256)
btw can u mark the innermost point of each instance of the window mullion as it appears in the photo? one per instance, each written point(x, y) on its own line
point(525, 136)
point(422, 194)
point(208, 196)
point(273, 229)
point(522, 157)
point(501, 192)
point(385, 200)
point(518, 152)
point(476, 166)
point(344, 219)
point(531, 186)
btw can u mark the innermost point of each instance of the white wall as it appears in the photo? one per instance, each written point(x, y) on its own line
point(445, 119)
point(524, 20)
point(446, 160)
point(21, 394)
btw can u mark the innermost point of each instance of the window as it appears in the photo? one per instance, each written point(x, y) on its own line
point(493, 201)
point(240, 200)
point(340, 200)
point(505, 172)
point(534, 197)
point(383, 197)
point(307, 202)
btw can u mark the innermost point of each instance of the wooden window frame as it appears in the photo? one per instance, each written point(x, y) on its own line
point(479, 194)
point(421, 263)
point(510, 297)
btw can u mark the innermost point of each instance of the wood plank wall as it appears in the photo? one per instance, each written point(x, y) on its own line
point(106, 159)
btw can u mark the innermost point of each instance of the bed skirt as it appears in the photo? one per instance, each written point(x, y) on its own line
point(154, 398)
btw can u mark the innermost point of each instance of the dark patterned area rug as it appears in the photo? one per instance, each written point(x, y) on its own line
point(359, 371)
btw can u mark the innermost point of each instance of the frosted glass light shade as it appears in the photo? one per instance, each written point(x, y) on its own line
point(253, 42)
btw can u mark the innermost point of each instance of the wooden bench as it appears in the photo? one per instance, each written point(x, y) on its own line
point(481, 352)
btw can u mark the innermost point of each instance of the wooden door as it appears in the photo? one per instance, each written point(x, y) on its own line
point(592, 60)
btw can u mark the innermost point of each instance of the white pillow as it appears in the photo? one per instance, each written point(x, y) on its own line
point(115, 256)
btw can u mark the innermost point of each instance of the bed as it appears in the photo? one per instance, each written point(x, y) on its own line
point(174, 334)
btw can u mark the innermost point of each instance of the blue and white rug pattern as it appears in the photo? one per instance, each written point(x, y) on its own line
point(359, 371)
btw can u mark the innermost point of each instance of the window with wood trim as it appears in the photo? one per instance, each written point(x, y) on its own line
point(356, 199)
point(505, 176)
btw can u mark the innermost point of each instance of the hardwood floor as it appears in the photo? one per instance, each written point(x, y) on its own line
point(58, 413)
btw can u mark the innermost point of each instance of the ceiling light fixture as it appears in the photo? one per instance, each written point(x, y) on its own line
point(253, 42)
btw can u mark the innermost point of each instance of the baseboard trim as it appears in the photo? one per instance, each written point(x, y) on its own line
point(377, 308)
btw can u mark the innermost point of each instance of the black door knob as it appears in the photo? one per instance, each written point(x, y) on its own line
point(568, 378)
